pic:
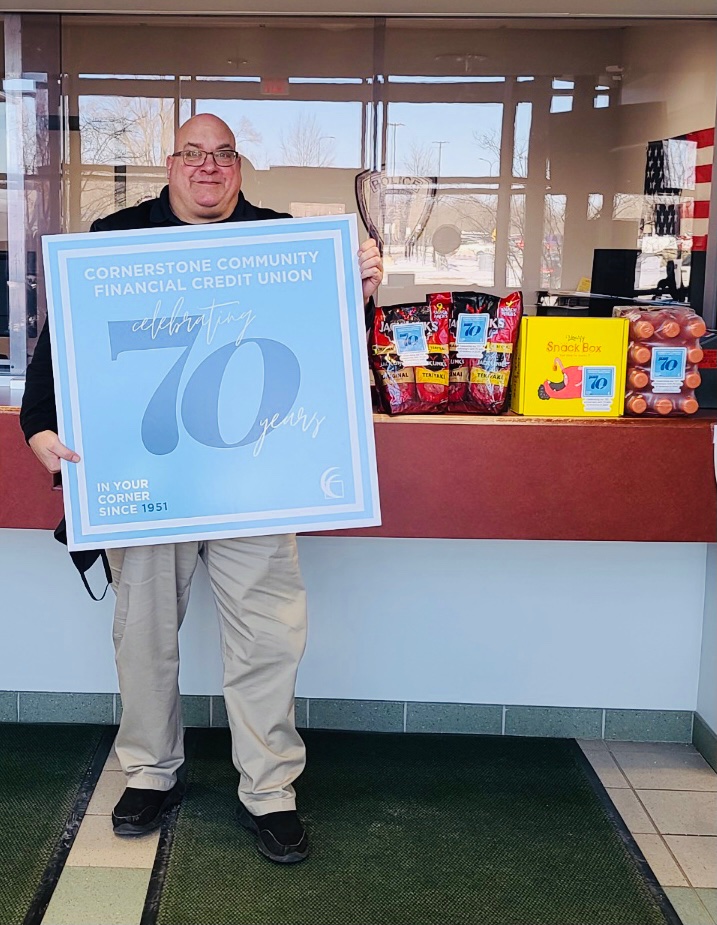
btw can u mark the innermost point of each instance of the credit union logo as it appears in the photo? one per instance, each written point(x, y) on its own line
point(332, 484)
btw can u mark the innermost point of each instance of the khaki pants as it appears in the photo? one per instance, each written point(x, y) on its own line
point(262, 615)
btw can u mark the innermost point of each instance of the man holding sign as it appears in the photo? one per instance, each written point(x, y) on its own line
point(255, 580)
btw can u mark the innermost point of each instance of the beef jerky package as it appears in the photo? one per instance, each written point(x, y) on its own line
point(375, 397)
point(481, 349)
point(410, 358)
point(461, 304)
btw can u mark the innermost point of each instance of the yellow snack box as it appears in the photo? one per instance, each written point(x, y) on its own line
point(570, 367)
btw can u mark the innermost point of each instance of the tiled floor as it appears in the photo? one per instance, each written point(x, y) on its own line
point(667, 796)
point(105, 879)
point(666, 793)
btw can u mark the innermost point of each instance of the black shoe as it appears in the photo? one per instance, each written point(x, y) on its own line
point(140, 811)
point(280, 836)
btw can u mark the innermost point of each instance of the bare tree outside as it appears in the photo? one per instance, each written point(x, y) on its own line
point(305, 144)
point(489, 144)
point(419, 160)
point(249, 142)
point(126, 130)
point(553, 217)
point(132, 132)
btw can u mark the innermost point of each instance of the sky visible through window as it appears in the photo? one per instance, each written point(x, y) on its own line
point(423, 138)
point(337, 128)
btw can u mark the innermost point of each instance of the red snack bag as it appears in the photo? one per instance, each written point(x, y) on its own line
point(479, 383)
point(461, 303)
point(410, 358)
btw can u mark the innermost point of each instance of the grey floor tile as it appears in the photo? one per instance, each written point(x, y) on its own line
point(709, 900)
point(676, 812)
point(697, 856)
point(360, 715)
point(663, 864)
point(649, 725)
point(219, 712)
point(664, 766)
point(705, 740)
point(46, 707)
point(195, 710)
point(8, 707)
point(220, 720)
point(604, 765)
point(301, 712)
point(688, 905)
point(562, 722)
point(472, 718)
point(98, 896)
point(632, 811)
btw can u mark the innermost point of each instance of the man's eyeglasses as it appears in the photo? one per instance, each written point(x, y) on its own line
point(193, 157)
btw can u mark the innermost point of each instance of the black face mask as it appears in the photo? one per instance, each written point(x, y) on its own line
point(84, 559)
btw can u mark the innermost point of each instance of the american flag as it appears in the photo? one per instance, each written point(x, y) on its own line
point(678, 180)
point(705, 149)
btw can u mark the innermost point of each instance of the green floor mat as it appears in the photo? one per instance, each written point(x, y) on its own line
point(408, 830)
point(46, 774)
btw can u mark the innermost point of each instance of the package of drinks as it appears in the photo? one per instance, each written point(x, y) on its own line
point(662, 360)
point(483, 331)
point(409, 354)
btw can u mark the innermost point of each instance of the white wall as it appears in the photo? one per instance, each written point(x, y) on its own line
point(614, 625)
point(707, 696)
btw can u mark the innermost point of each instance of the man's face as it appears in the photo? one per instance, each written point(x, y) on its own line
point(207, 193)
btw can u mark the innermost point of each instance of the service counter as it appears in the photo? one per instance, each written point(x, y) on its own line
point(502, 478)
point(472, 600)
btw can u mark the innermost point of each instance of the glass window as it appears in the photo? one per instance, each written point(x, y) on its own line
point(608, 152)
point(531, 178)
point(296, 93)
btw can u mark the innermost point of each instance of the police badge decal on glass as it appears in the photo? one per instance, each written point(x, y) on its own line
point(406, 199)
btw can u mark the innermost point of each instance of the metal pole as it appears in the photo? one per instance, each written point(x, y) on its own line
point(16, 205)
point(440, 149)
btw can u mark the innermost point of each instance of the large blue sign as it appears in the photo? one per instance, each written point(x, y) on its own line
point(213, 380)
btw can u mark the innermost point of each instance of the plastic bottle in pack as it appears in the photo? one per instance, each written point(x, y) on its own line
point(639, 355)
point(642, 329)
point(667, 327)
point(694, 327)
point(637, 378)
point(659, 403)
point(635, 403)
point(687, 404)
point(695, 354)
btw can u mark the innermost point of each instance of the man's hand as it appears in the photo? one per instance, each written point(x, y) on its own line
point(48, 449)
point(370, 267)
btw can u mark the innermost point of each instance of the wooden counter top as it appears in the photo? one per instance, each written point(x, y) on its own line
point(507, 477)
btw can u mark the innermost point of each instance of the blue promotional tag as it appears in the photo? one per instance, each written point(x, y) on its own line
point(471, 334)
point(667, 370)
point(598, 387)
point(411, 342)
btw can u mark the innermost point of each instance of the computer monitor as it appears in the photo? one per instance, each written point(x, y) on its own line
point(613, 276)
